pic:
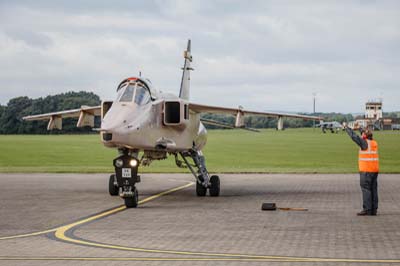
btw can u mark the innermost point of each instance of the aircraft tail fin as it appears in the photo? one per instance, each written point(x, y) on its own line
point(185, 83)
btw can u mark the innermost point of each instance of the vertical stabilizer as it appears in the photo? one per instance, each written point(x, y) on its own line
point(185, 83)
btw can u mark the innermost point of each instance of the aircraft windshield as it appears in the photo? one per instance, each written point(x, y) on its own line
point(135, 92)
point(128, 94)
point(142, 96)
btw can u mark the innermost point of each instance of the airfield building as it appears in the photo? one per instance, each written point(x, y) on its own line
point(373, 110)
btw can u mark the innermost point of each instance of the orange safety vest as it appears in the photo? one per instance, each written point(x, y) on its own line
point(368, 160)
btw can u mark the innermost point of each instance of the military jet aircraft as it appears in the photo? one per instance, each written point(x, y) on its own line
point(334, 126)
point(145, 124)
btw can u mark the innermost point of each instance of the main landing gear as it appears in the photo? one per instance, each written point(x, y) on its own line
point(126, 176)
point(204, 180)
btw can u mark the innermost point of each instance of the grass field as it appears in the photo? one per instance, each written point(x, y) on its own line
point(289, 151)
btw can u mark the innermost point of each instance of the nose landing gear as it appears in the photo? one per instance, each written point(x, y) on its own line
point(125, 178)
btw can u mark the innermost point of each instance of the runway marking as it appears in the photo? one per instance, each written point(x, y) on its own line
point(100, 215)
point(29, 234)
point(62, 233)
point(139, 259)
point(185, 259)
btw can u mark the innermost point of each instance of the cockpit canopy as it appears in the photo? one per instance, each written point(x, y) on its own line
point(133, 90)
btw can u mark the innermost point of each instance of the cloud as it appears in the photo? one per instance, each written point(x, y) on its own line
point(270, 55)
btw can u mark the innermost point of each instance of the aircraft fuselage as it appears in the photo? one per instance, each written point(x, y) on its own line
point(161, 123)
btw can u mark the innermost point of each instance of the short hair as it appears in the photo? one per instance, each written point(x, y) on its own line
point(368, 133)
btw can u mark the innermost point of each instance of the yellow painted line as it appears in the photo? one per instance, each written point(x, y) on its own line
point(61, 234)
point(95, 217)
point(29, 234)
point(228, 257)
point(166, 192)
point(183, 259)
point(136, 259)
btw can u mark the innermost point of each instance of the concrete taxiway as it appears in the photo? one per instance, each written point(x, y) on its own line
point(69, 219)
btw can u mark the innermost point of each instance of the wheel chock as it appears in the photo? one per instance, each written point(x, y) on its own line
point(268, 206)
point(271, 206)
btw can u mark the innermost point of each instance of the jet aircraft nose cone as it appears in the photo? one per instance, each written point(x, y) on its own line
point(109, 126)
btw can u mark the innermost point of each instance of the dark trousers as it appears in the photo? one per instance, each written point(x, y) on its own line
point(369, 188)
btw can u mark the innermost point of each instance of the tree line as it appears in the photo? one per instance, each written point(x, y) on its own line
point(11, 115)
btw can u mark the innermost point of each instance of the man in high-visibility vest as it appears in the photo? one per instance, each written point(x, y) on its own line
point(368, 165)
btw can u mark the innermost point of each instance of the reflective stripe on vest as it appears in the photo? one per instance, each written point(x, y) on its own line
point(367, 152)
point(368, 160)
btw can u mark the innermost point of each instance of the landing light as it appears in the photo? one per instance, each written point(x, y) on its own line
point(133, 163)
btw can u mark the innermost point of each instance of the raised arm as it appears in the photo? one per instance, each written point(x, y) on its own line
point(362, 143)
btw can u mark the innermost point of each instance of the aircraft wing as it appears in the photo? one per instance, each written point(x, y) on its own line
point(240, 113)
point(224, 125)
point(85, 114)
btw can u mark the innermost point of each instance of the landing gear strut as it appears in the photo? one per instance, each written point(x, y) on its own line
point(125, 178)
point(201, 190)
point(204, 181)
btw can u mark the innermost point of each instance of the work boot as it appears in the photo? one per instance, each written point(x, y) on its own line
point(363, 213)
point(374, 212)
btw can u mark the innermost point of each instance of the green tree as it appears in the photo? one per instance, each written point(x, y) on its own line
point(11, 115)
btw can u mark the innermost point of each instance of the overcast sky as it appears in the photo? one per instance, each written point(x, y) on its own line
point(263, 55)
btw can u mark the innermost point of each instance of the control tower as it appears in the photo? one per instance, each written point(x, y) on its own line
point(373, 110)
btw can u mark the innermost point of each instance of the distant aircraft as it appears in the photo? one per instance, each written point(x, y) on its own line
point(332, 126)
point(143, 120)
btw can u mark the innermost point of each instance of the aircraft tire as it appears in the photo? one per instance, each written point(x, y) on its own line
point(132, 202)
point(201, 191)
point(112, 189)
point(215, 186)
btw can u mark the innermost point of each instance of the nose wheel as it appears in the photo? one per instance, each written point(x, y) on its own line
point(113, 185)
point(132, 202)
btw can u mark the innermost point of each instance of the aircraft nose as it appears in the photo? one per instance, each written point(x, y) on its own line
point(109, 132)
point(110, 126)
point(112, 132)
point(111, 135)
